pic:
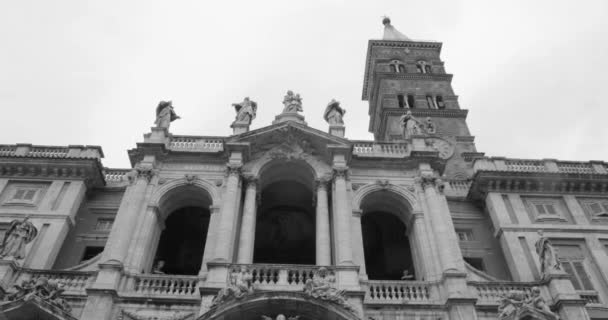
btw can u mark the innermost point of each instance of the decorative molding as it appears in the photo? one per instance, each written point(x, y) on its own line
point(340, 172)
point(190, 178)
point(153, 315)
point(431, 181)
point(233, 170)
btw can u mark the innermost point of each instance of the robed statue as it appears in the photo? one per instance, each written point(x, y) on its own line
point(409, 124)
point(547, 255)
point(18, 235)
point(292, 103)
point(165, 114)
point(333, 113)
point(239, 285)
point(245, 111)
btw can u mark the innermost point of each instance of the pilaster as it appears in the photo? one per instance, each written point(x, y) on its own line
point(323, 236)
point(358, 250)
point(344, 255)
point(247, 237)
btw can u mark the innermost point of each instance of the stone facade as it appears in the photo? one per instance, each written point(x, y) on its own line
point(289, 222)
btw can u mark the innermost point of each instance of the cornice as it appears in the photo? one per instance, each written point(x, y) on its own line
point(89, 170)
point(537, 182)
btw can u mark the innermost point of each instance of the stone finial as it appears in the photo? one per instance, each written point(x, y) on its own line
point(390, 33)
point(165, 114)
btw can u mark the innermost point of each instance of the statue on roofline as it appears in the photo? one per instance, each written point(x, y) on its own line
point(292, 103)
point(245, 110)
point(165, 114)
point(334, 113)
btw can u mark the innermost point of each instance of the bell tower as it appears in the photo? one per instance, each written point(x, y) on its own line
point(401, 75)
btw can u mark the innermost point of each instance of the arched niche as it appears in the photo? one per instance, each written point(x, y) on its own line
point(386, 223)
point(285, 225)
point(184, 213)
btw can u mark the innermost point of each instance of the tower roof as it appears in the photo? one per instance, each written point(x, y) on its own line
point(390, 33)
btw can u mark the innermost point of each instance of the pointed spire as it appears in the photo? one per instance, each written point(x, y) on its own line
point(390, 33)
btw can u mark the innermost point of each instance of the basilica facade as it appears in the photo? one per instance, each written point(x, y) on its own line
point(289, 222)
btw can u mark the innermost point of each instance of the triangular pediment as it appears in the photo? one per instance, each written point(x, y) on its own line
point(292, 137)
point(32, 307)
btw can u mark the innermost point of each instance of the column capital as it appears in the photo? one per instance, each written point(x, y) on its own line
point(430, 181)
point(340, 172)
point(141, 171)
point(233, 170)
point(357, 213)
point(214, 209)
point(322, 183)
point(251, 181)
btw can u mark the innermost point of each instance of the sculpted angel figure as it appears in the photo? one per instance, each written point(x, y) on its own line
point(245, 110)
point(537, 302)
point(333, 113)
point(165, 114)
point(409, 125)
point(547, 255)
point(509, 304)
point(292, 103)
point(18, 235)
point(320, 287)
point(239, 286)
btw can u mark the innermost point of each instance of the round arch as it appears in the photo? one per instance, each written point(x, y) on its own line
point(319, 168)
point(290, 304)
point(181, 192)
point(403, 195)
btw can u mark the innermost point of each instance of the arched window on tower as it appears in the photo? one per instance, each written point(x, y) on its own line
point(401, 101)
point(439, 102)
point(423, 67)
point(411, 101)
point(397, 66)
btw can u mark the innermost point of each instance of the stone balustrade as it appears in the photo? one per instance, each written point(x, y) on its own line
point(196, 144)
point(280, 276)
point(114, 176)
point(164, 285)
point(592, 297)
point(28, 150)
point(539, 166)
point(398, 292)
point(74, 282)
point(384, 150)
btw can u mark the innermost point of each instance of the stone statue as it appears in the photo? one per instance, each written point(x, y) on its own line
point(240, 285)
point(536, 302)
point(165, 114)
point(158, 268)
point(47, 290)
point(292, 103)
point(245, 111)
point(409, 125)
point(430, 126)
point(320, 287)
point(406, 275)
point(333, 113)
point(516, 305)
point(510, 304)
point(18, 235)
point(546, 253)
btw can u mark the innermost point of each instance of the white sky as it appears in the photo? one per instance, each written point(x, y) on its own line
point(531, 73)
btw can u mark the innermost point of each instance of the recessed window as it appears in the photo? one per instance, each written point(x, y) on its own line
point(104, 224)
point(546, 208)
point(430, 102)
point(411, 102)
point(91, 252)
point(476, 263)
point(439, 102)
point(402, 68)
point(596, 208)
point(401, 101)
point(427, 69)
point(23, 195)
point(465, 234)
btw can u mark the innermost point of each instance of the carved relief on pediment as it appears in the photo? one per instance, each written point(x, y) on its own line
point(155, 315)
point(285, 143)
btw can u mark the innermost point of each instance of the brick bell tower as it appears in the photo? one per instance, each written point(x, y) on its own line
point(403, 75)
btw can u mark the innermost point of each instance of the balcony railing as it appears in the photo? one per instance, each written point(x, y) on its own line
point(384, 150)
point(397, 292)
point(280, 276)
point(196, 144)
point(114, 176)
point(148, 285)
point(74, 282)
point(457, 188)
point(540, 166)
point(28, 150)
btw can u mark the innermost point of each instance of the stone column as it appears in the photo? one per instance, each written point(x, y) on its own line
point(122, 230)
point(143, 237)
point(247, 238)
point(342, 218)
point(225, 230)
point(323, 237)
point(211, 239)
point(447, 242)
point(358, 251)
point(427, 264)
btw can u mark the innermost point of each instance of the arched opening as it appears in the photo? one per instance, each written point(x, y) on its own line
point(386, 246)
point(285, 225)
point(181, 243)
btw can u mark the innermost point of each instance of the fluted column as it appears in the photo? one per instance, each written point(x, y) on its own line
point(225, 230)
point(211, 238)
point(342, 218)
point(322, 232)
point(443, 228)
point(247, 238)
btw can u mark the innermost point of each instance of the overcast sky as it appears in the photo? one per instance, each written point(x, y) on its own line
point(533, 74)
